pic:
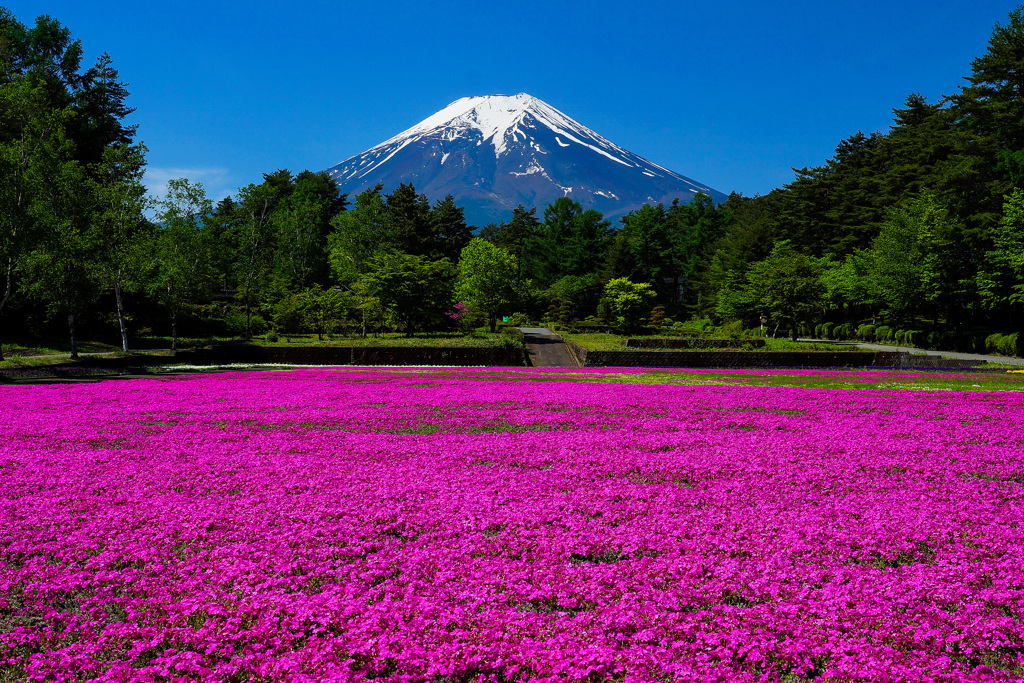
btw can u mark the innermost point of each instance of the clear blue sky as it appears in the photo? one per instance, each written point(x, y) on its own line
point(731, 93)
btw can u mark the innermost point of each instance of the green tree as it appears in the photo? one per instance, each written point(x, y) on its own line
point(579, 294)
point(124, 260)
point(570, 241)
point(451, 234)
point(254, 239)
point(29, 126)
point(184, 276)
point(63, 206)
point(993, 102)
point(302, 220)
point(628, 303)
point(321, 309)
point(1002, 279)
point(358, 235)
point(514, 236)
point(486, 278)
point(413, 289)
point(409, 221)
point(691, 230)
point(910, 259)
point(787, 285)
point(646, 232)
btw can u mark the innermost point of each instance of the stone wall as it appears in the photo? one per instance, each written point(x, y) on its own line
point(912, 361)
point(354, 355)
point(736, 359)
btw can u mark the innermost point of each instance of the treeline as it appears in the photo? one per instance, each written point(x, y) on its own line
point(920, 228)
point(83, 242)
point(917, 232)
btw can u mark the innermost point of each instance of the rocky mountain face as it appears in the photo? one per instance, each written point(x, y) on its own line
point(495, 152)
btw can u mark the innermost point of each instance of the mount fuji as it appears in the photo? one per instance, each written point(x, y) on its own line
point(495, 152)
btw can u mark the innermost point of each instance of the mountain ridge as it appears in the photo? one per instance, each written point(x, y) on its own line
point(494, 152)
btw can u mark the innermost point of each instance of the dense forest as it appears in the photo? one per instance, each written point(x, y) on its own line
point(915, 234)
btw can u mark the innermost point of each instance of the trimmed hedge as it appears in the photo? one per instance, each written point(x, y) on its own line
point(735, 359)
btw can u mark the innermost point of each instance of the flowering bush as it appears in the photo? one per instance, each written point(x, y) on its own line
point(466, 525)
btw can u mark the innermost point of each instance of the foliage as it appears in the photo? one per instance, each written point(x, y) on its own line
point(919, 226)
point(322, 310)
point(413, 289)
point(786, 285)
point(485, 279)
point(183, 275)
point(628, 303)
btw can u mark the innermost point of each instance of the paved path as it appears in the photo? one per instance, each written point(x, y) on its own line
point(547, 350)
point(1008, 360)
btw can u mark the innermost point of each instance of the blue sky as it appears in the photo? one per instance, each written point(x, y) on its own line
point(733, 94)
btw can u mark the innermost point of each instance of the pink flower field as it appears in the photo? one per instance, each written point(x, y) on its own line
point(507, 525)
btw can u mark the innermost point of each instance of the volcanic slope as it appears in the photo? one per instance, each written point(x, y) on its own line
point(495, 152)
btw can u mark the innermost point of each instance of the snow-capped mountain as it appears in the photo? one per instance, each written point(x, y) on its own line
point(495, 152)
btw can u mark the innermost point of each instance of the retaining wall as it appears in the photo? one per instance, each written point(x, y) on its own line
point(355, 355)
point(912, 361)
point(736, 359)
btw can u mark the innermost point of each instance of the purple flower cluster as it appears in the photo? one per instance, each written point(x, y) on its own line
point(342, 525)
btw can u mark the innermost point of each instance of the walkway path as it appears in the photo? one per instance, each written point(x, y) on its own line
point(1008, 360)
point(547, 350)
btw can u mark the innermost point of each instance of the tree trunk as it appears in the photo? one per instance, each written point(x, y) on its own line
point(494, 323)
point(120, 315)
point(248, 328)
point(74, 333)
point(7, 293)
point(174, 330)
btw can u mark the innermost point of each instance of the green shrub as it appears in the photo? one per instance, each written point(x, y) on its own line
point(883, 333)
point(657, 317)
point(1018, 343)
point(518, 320)
point(992, 342)
point(913, 337)
point(514, 334)
point(827, 330)
point(1008, 344)
point(866, 332)
point(272, 336)
point(899, 335)
point(734, 329)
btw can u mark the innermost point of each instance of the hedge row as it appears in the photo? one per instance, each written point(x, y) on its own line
point(968, 342)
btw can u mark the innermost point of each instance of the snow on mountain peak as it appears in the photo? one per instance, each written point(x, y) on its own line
point(495, 116)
